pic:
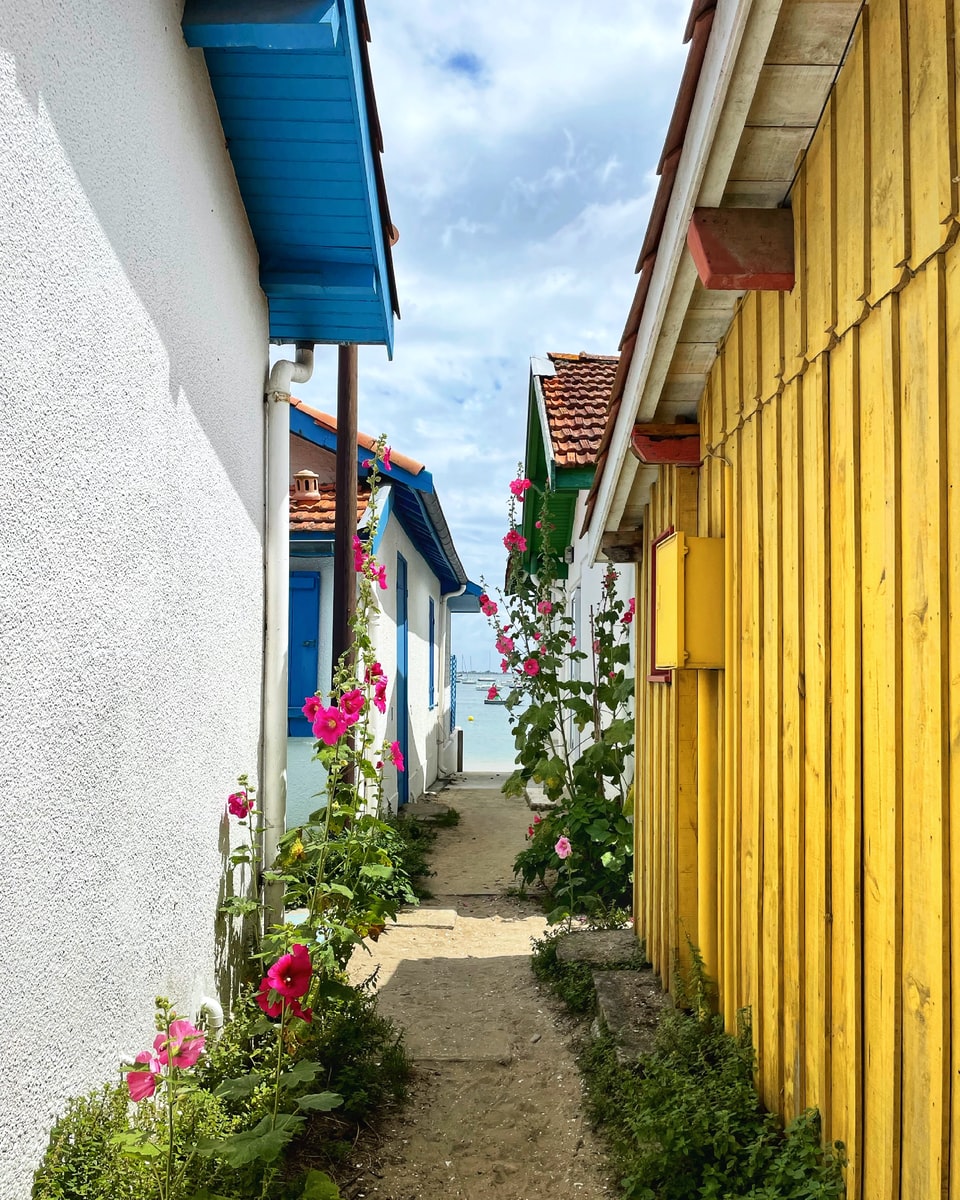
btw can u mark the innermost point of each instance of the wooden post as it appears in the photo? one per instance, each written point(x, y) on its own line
point(344, 578)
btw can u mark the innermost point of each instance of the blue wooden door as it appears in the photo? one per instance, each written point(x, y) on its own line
point(303, 658)
point(402, 689)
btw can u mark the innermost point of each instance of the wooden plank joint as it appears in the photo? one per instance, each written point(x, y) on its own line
point(743, 249)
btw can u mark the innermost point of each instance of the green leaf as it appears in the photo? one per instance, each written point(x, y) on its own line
point(302, 1072)
point(259, 1144)
point(330, 989)
point(376, 871)
point(320, 1102)
point(319, 1186)
point(243, 1085)
point(136, 1144)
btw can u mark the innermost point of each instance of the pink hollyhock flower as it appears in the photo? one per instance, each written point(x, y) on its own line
point(380, 694)
point(351, 705)
point(563, 847)
point(311, 706)
point(631, 611)
point(290, 974)
point(367, 464)
point(489, 608)
point(396, 755)
point(274, 1007)
point(596, 645)
point(537, 637)
point(504, 645)
point(545, 607)
point(374, 671)
point(493, 693)
point(143, 1084)
point(387, 465)
point(359, 557)
point(519, 486)
point(539, 524)
point(573, 640)
point(515, 541)
point(504, 665)
point(239, 804)
point(381, 578)
point(529, 831)
point(329, 725)
point(183, 1046)
point(537, 819)
point(531, 667)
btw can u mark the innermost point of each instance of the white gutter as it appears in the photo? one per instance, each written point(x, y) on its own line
point(273, 775)
point(735, 53)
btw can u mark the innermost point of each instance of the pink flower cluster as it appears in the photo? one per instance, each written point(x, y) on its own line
point(374, 674)
point(504, 644)
point(387, 464)
point(487, 606)
point(331, 723)
point(545, 607)
point(515, 541)
point(631, 611)
point(286, 983)
point(492, 694)
point(563, 847)
point(519, 486)
point(366, 563)
point(180, 1047)
point(239, 804)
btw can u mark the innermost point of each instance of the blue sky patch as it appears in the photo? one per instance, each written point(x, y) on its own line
point(465, 63)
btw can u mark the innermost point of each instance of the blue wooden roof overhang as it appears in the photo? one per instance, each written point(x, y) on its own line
point(413, 500)
point(293, 85)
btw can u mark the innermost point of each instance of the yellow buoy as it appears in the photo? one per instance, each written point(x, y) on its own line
point(469, 718)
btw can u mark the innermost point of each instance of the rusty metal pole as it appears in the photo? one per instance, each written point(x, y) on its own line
point(344, 577)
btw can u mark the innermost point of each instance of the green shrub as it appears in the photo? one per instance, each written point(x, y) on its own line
point(686, 1122)
point(84, 1162)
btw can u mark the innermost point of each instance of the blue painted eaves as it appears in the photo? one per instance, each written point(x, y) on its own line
point(305, 426)
point(292, 82)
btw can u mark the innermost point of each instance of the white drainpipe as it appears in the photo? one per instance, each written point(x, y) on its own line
point(443, 733)
point(273, 777)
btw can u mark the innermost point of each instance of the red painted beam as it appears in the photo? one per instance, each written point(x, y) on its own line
point(743, 249)
point(680, 447)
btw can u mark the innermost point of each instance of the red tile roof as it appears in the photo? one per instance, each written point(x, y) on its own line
point(576, 400)
point(315, 511)
point(363, 439)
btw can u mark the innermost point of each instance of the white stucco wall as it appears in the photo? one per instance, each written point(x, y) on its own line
point(428, 727)
point(133, 339)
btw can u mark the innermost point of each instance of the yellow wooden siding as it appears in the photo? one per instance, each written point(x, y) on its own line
point(952, 472)
point(831, 426)
point(665, 808)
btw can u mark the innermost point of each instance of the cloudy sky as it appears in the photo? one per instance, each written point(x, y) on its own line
point(521, 142)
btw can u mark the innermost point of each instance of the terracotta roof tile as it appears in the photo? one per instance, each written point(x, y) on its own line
point(315, 511)
point(576, 400)
point(363, 439)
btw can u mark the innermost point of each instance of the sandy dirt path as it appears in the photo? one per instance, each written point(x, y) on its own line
point(496, 1110)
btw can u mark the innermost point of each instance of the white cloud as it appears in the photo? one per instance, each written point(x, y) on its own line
point(520, 145)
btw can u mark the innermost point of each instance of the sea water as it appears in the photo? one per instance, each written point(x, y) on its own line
point(487, 746)
point(487, 740)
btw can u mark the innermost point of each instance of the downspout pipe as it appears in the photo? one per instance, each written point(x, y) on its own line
point(443, 733)
point(273, 776)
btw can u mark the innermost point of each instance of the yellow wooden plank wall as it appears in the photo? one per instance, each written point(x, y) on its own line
point(665, 792)
point(831, 424)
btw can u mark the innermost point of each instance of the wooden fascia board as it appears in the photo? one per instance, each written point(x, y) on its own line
point(250, 25)
point(743, 249)
point(574, 479)
point(728, 80)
